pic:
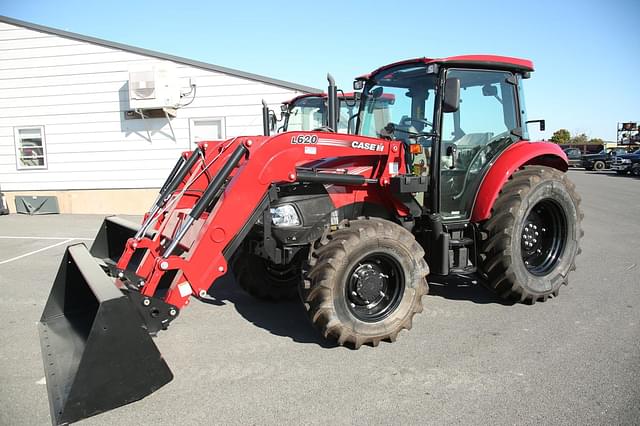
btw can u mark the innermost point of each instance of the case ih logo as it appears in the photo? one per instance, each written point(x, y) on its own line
point(367, 146)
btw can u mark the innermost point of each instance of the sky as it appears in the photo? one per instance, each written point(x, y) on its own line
point(586, 53)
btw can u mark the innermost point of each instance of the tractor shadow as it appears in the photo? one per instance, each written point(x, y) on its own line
point(287, 318)
point(459, 287)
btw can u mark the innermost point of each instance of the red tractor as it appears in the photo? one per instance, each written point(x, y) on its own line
point(348, 221)
point(310, 112)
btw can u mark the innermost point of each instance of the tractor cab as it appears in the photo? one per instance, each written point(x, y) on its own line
point(454, 117)
point(309, 112)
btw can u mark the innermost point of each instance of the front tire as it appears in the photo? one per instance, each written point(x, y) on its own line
point(365, 282)
point(263, 279)
point(599, 165)
point(530, 242)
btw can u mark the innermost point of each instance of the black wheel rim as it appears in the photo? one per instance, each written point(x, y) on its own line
point(374, 287)
point(543, 237)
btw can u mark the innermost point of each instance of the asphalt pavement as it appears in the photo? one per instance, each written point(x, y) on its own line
point(469, 359)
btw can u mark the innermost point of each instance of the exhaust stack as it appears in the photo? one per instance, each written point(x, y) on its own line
point(332, 104)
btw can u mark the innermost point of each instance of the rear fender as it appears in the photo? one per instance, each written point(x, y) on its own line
point(519, 154)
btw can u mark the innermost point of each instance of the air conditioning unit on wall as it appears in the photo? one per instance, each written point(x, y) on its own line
point(153, 86)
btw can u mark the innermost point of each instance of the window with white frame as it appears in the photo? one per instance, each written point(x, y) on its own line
point(31, 150)
point(207, 129)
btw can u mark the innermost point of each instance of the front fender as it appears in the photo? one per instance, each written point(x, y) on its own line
point(520, 154)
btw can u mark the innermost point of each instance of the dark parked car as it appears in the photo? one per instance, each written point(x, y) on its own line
point(575, 156)
point(603, 159)
point(627, 163)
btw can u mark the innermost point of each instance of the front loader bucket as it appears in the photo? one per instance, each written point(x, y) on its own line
point(97, 352)
point(112, 239)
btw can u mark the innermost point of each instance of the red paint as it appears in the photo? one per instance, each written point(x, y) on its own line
point(514, 157)
point(271, 160)
point(348, 96)
point(523, 64)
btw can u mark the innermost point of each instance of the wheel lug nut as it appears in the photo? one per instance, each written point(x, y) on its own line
point(353, 293)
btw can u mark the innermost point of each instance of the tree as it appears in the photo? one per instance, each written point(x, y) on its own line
point(596, 141)
point(580, 139)
point(561, 136)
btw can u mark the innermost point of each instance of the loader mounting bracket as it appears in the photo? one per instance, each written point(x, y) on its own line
point(156, 313)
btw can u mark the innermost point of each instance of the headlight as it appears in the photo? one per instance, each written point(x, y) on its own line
point(625, 161)
point(284, 215)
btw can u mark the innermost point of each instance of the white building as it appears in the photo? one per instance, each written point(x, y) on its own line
point(69, 129)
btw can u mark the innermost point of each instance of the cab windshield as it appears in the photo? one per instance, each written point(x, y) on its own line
point(311, 113)
point(398, 104)
point(306, 114)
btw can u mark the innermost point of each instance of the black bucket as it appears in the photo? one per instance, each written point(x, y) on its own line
point(96, 349)
point(112, 238)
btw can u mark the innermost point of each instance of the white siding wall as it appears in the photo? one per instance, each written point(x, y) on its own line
point(78, 92)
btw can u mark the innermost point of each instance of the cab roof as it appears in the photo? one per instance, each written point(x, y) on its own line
point(486, 61)
point(349, 96)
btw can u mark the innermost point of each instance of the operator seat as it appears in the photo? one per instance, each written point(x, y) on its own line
point(468, 145)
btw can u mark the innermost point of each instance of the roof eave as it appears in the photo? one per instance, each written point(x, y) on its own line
point(159, 55)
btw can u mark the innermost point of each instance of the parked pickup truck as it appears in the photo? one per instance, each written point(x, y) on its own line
point(603, 159)
point(575, 156)
point(627, 163)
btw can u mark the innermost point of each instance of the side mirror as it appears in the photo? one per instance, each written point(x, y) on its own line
point(489, 90)
point(543, 124)
point(451, 101)
point(358, 84)
point(377, 92)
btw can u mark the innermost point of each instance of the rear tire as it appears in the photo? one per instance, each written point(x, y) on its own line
point(263, 279)
point(365, 282)
point(530, 242)
point(599, 165)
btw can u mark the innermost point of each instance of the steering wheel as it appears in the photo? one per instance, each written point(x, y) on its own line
point(418, 120)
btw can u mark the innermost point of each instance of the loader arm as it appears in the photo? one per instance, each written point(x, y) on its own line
point(217, 198)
